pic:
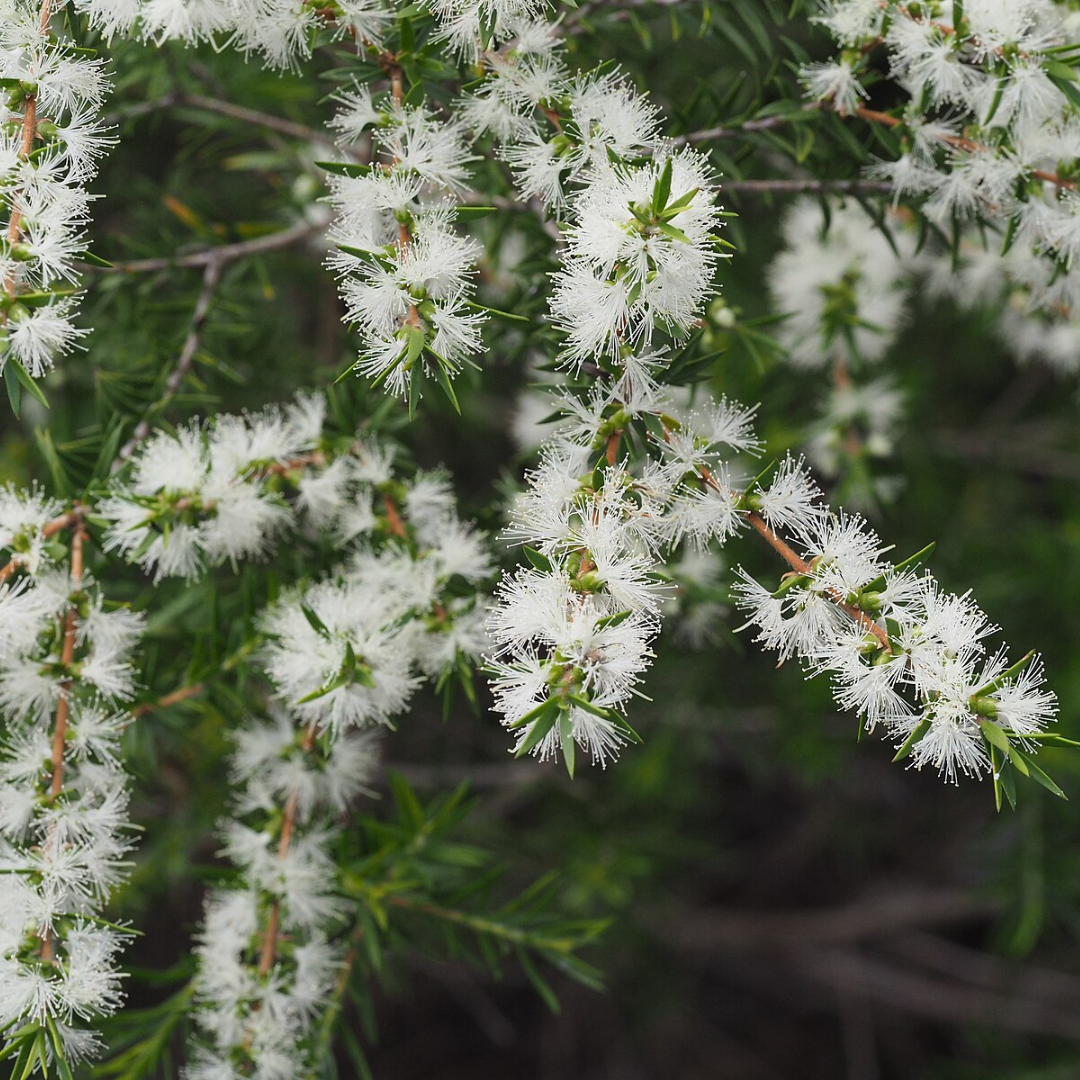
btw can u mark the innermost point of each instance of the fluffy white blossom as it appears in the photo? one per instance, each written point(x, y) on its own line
point(64, 830)
point(406, 274)
point(987, 120)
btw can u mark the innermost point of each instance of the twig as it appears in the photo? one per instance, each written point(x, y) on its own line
point(211, 280)
point(288, 824)
point(874, 116)
point(733, 131)
point(182, 694)
point(801, 566)
point(251, 117)
point(806, 187)
point(223, 253)
point(67, 656)
point(27, 133)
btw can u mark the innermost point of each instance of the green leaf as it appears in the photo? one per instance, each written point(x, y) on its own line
point(315, 622)
point(566, 741)
point(1067, 86)
point(1039, 776)
point(409, 809)
point(995, 736)
point(534, 714)
point(495, 311)
point(612, 620)
point(415, 381)
point(920, 729)
point(662, 189)
point(624, 727)
point(354, 170)
point(676, 234)
point(1006, 676)
point(539, 983)
point(14, 387)
point(537, 733)
point(95, 260)
point(466, 210)
point(20, 373)
point(539, 560)
point(588, 706)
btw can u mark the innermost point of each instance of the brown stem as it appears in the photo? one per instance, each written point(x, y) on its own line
point(612, 449)
point(26, 146)
point(67, 656)
point(842, 382)
point(222, 253)
point(801, 566)
point(211, 280)
point(732, 131)
point(393, 518)
point(288, 824)
point(875, 116)
point(182, 694)
point(807, 187)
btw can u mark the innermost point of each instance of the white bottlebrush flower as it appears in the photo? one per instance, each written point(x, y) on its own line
point(835, 82)
point(39, 335)
point(645, 234)
point(841, 286)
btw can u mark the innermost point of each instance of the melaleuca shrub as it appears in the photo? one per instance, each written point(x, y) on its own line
point(522, 250)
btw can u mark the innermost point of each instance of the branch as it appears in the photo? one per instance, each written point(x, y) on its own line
point(733, 131)
point(251, 117)
point(67, 656)
point(211, 280)
point(223, 253)
point(811, 187)
point(874, 116)
point(288, 824)
point(27, 133)
point(182, 694)
point(801, 566)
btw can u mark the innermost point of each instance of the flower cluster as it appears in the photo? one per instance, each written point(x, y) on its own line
point(66, 680)
point(345, 656)
point(573, 631)
point(406, 273)
point(640, 256)
point(839, 284)
point(211, 494)
point(900, 651)
point(843, 289)
point(991, 127)
point(981, 277)
point(278, 32)
point(49, 150)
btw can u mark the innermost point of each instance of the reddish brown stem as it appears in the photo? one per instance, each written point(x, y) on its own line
point(288, 825)
point(612, 449)
point(26, 146)
point(169, 699)
point(67, 655)
point(801, 566)
point(393, 518)
point(874, 116)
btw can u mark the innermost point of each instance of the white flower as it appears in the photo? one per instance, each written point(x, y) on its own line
point(835, 82)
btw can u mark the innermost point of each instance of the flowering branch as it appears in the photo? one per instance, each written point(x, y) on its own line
point(67, 656)
point(221, 254)
point(27, 135)
point(210, 283)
